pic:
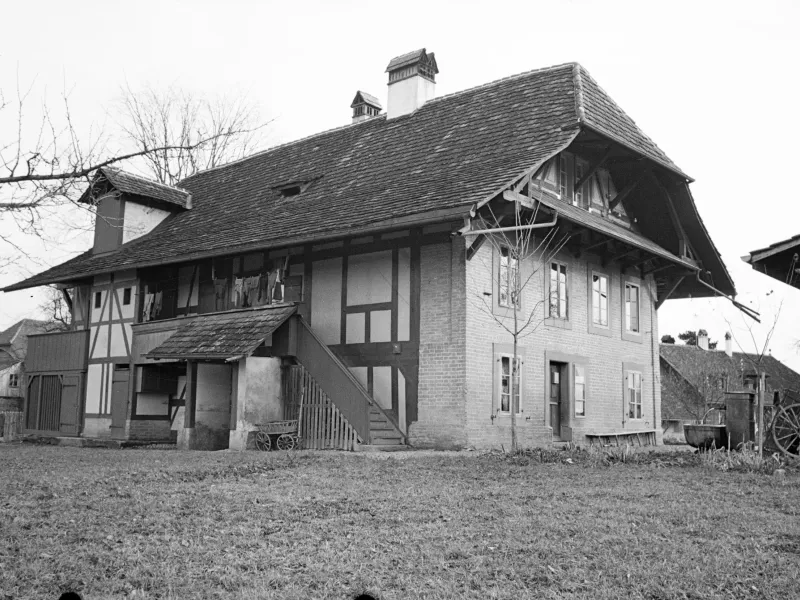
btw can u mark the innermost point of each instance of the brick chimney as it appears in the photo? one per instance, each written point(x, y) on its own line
point(365, 106)
point(412, 82)
point(702, 342)
point(728, 344)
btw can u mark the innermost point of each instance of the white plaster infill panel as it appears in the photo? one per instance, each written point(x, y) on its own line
point(139, 220)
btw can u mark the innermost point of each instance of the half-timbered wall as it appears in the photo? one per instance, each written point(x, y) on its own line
point(111, 314)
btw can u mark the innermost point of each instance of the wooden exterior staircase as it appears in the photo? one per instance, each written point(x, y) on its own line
point(375, 429)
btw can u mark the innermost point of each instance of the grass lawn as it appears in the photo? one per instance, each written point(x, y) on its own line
point(169, 524)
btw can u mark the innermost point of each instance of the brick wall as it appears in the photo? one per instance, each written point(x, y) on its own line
point(442, 376)
point(604, 356)
point(141, 429)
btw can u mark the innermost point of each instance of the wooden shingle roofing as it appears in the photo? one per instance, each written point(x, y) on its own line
point(455, 151)
point(140, 186)
point(224, 335)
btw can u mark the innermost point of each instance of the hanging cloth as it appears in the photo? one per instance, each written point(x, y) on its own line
point(237, 290)
point(157, 304)
point(220, 289)
point(147, 306)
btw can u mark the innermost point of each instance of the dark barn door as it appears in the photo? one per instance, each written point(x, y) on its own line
point(119, 400)
point(71, 404)
point(43, 412)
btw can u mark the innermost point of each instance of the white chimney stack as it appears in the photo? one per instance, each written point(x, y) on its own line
point(728, 344)
point(412, 82)
point(702, 341)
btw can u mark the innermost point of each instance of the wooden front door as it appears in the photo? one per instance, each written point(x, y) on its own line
point(556, 397)
point(71, 413)
point(119, 400)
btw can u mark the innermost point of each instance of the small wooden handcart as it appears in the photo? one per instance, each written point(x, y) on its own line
point(282, 435)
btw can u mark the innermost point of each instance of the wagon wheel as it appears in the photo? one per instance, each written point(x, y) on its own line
point(285, 441)
point(296, 439)
point(263, 441)
point(786, 429)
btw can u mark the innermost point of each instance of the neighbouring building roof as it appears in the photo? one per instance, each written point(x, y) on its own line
point(223, 335)
point(135, 184)
point(454, 152)
point(694, 363)
point(780, 260)
point(14, 343)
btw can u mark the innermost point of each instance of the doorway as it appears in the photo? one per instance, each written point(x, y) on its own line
point(558, 399)
point(119, 400)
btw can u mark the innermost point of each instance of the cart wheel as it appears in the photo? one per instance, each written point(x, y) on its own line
point(296, 439)
point(263, 441)
point(786, 429)
point(285, 442)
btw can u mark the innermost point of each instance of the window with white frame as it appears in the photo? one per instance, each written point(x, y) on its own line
point(558, 291)
point(634, 394)
point(13, 380)
point(508, 278)
point(632, 307)
point(580, 390)
point(600, 299)
point(510, 393)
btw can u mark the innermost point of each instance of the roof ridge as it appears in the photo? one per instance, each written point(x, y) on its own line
point(283, 145)
point(431, 101)
point(580, 109)
point(500, 80)
point(145, 178)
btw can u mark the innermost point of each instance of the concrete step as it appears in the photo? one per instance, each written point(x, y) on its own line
point(382, 448)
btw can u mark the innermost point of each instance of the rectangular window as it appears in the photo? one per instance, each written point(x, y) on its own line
point(632, 307)
point(558, 291)
point(600, 299)
point(562, 176)
point(126, 296)
point(13, 380)
point(508, 284)
point(634, 392)
point(579, 193)
point(98, 299)
point(580, 390)
point(510, 389)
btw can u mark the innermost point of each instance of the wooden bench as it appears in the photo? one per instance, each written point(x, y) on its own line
point(642, 437)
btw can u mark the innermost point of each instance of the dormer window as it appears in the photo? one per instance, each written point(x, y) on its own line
point(290, 190)
point(294, 188)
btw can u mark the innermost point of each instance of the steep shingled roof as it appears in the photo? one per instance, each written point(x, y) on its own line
point(455, 151)
point(141, 186)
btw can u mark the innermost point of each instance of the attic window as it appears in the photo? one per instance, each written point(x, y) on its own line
point(294, 188)
point(290, 190)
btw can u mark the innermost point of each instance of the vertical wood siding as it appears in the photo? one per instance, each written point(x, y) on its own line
point(321, 425)
point(64, 351)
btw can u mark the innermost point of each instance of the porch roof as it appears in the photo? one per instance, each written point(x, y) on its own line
point(222, 336)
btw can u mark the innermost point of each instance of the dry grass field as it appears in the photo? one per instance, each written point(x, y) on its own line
point(169, 524)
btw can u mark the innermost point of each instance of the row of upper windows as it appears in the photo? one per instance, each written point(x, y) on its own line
point(510, 284)
point(560, 175)
point(509, 389)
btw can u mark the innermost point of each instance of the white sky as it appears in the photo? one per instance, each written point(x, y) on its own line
point(713, 83)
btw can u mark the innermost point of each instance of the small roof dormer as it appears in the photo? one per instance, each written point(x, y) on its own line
point(128, 206)
point(365, 106)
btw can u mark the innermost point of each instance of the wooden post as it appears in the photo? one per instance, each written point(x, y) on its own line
point(761, 385)
point(191, 394)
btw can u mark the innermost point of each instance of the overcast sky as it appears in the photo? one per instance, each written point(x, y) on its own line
point(713, 83)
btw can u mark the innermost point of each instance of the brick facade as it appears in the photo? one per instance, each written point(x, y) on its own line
point(460, 336)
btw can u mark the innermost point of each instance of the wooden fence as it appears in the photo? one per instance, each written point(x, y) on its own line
point(321, 425)
point(12, 425)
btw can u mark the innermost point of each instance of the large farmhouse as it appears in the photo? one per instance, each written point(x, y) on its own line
point(368, 280)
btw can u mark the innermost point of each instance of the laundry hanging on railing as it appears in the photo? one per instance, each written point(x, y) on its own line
point(147, 306)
